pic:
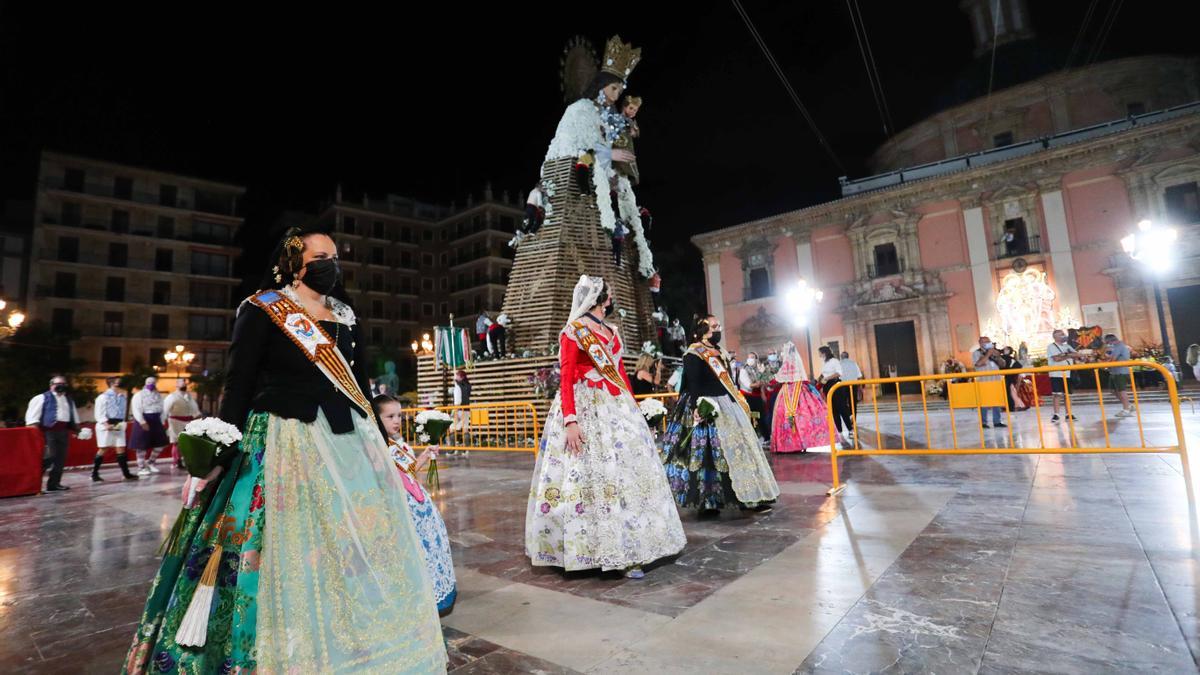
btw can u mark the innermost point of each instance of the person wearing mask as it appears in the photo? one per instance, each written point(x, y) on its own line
point(54, 413)
point(677, 337)
point(1193, 359)
point(109, 410)
point(1008, 361)
point(987, 357)
point(482, 324)
point(1060, 353)
point(1119, 376)
point(717, 464)
point(843, 412)
point(462, 397)
point(180, 408)
point(149, 433)
point(770, 394)
point(750, 386)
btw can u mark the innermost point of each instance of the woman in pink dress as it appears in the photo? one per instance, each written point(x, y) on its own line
point(799, 422)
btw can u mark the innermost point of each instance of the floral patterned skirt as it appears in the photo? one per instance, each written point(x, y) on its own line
point(321, 521)
point(806, 427)
point(712, 466)
point(608, 508)
point(435, 544)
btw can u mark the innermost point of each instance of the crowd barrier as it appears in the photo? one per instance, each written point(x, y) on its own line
point(504, 427)
point(981, 391)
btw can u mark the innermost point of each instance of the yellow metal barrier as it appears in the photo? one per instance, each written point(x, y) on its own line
point(980, 393)
point(504, 427)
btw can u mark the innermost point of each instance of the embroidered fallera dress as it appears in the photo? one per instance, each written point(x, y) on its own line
point(718, 464)
point(435, 541)
point(320, 568)
point(610, 507)
point(799, 422)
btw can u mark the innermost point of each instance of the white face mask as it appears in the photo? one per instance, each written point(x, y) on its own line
point(752, 362)
point(772, 358)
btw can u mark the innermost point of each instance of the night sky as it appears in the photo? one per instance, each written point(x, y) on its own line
point(290, 101)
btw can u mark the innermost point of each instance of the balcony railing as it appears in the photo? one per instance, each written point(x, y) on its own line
point(148, 198)
point(874, 272)
point(140, 231)
point(1018, 247)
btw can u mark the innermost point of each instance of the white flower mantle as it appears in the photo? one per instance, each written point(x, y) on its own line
point(581, 129)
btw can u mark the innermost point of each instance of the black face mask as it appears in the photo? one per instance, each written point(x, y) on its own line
point(610, 309)
point(715, 338)
point(59, 388)
point(322, 275)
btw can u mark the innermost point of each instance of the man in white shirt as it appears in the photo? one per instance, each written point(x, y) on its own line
point(851, 371)
point(109, 410)
point(54, 413)
point(180, 408)
point(987, 357)
point(1060, 353)
point(149, 434)
point(748, 384)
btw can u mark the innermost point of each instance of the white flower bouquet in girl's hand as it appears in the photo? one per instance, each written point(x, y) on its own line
point(200, 444)
point(653, 410)
point(431, 427)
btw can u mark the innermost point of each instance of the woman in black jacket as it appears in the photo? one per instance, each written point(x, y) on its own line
point(300, 553)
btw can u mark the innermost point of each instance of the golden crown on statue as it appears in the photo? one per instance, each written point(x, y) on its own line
point(620, 58)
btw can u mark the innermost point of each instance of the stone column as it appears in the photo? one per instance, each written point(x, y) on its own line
point(1062, 260)
point(712, 278)
point(981, 265)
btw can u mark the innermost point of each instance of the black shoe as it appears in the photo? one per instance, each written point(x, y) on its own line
point(130, 476)
point(986, 425)
point(57, 488)
point(1000, 424)
point(96, 478)
point(1073, 418)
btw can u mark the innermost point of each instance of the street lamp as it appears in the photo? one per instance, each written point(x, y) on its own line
point(1153, 245)
point(424, 347)
point(12, 323)
point(801, 300)
point(179, 358)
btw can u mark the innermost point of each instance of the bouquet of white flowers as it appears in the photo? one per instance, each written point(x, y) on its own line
point(706, 411)
point(431, 426)
point(653, 410)
point(200, 444)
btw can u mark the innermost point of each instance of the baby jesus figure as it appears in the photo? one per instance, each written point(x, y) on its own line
point(629, 106)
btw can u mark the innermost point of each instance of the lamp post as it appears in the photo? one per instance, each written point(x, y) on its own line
point(424, 347)
point(12, 322)
point(801, 300)
point(1153, 245)
point(180, 358)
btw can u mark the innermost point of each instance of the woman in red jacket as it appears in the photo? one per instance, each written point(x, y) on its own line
point(599, 497)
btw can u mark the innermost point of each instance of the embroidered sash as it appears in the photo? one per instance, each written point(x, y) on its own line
point(712, 357)
point(598, 352)
point(307, 334)
point(406, 461)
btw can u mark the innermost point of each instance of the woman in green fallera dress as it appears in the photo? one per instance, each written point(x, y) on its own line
point(320, 569)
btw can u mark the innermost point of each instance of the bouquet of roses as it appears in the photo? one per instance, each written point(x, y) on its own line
point(706, 412)
point(653, 410)
point(432, 425)
point(200, 444)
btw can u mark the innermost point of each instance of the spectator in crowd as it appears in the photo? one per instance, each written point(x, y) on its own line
point(647, 375)
point(54, 413)
point(1060, 353)
point(747, 379)
point(149, 436)
point(1008, 357)
point(851, 371)
point(831, 374)
point(180, 408)
point(1193, 359)
point(987, 357)
point(676, 338)
point(482, 324)
point(1118, 376)
point(109, 410)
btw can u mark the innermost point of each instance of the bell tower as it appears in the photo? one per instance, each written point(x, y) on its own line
point(997, 21)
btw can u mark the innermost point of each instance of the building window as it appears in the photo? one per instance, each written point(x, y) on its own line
point(377, 230)
point(215, 202)
point(114, 324)
point(405, 311)
point(72, 214)
point(406, 235)
point(1183, 203)
point(114, 289)
point(211, 233)
point(377, 335)
point(406, 259)
point(478, 303)
point(377, 255)
point(460, 307)
point(68, 249)
point(110, 359)
point(348, 224)
point(120, 221)
point(427, 259)
point(1015, 240)
point(73, 180)
point(427, 285)
point(445, 283)
point(64, 285)
point(162, 293)
point(1002, 139)
point(62, 320)
point(427, 309)
point(164, 260)
point(206, 327)
point(376, 309)
point(406, 285)
point(166, 227)
point(168, 195)
point(210, 264)
point(445, 307)
point(214, 296)
point(123, 187)
point(118, 255)
point(154, 357)
point(887, 262)
point(760, 283)
point(445, 259)
point(1135, 108)
point(427, 235)
point(160, 326)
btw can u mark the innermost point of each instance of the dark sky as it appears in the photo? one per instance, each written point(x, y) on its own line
point(432, 103)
